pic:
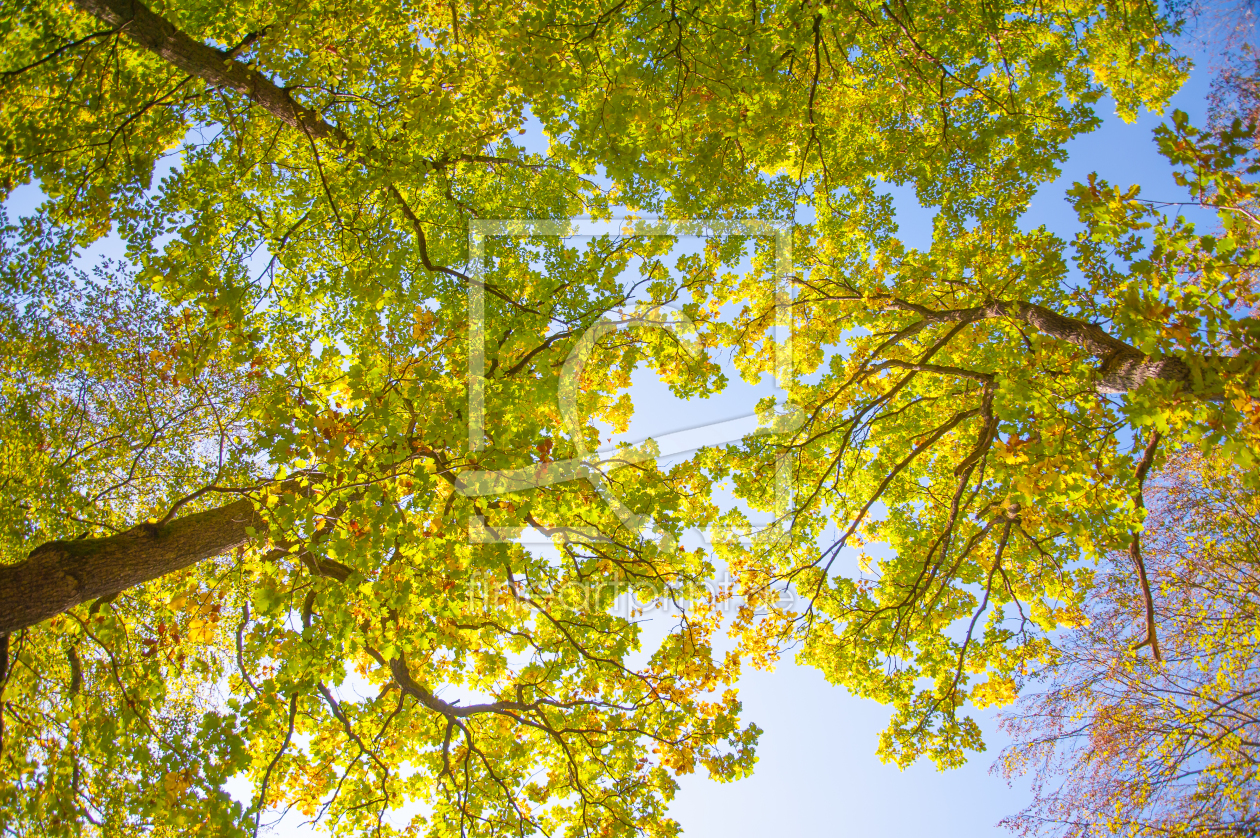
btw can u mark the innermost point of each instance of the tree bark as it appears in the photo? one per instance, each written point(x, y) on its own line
point(62, 574)
point(1124, 368)
point(155, 34)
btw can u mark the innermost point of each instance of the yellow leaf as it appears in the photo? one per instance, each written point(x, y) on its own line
point(174, 785)
point(200, 631)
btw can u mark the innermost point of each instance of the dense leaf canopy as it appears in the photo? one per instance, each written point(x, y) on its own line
point(243, 538)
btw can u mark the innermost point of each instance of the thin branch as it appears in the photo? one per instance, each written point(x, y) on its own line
point(1135, 549)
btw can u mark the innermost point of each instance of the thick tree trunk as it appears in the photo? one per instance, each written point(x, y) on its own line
point(62, 574)
point(158, 36)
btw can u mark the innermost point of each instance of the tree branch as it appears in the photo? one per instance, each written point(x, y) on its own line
point(1123, 368)
point(62, 574)
point(220, 69)
point(1135, 550)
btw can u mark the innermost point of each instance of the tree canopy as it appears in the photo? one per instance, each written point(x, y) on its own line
point(1150, 746)
point(243, 538)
